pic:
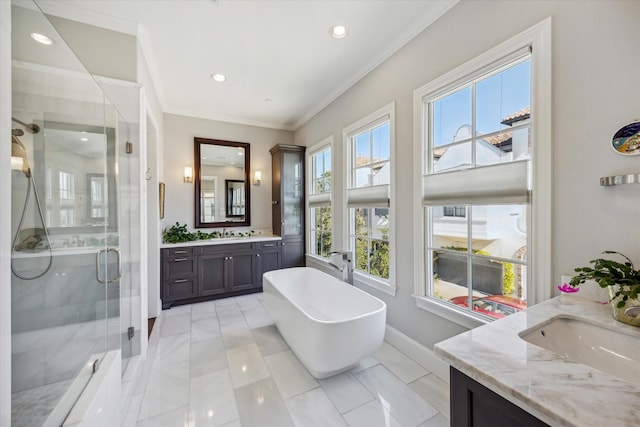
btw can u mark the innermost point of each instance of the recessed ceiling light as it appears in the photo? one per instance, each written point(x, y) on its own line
point(218, 77)
point(84, 139)
point(41, 38)
point(338, 31)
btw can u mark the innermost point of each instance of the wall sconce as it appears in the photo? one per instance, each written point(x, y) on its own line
point(188, 174)
point(257, 177)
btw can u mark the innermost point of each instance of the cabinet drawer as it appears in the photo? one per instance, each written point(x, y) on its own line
point(266, 246)
point(175, 268)
point(177, 289)
point(227, 249)
point(178, 252)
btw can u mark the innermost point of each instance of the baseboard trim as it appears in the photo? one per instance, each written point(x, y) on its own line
point(420, 354)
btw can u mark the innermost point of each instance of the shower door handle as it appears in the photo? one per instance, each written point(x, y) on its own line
point(106, 251)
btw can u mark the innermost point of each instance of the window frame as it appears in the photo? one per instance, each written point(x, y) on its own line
point(371, 120)
point(317, 148)
point(538, 40)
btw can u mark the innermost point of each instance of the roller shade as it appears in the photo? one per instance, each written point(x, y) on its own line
point(319, 200)
point(368, 197)
point(495, 184)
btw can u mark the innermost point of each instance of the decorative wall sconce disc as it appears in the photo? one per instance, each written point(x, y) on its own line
point(626, 140)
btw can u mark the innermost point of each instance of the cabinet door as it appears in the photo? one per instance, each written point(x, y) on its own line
point(211, 274)
point(293, 253)
point(276, 203)
point(266, 261)
point(292, 194)
point(240, 268)
point(478, 406)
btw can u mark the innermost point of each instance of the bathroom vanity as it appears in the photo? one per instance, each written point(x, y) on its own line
point(563, 362)
point(216, 268)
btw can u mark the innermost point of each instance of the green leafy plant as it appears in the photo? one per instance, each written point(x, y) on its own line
point(178, 234)
point(607, 273)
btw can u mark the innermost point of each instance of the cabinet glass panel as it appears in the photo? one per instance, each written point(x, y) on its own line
point(292, 188)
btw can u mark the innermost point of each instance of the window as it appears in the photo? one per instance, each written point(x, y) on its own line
point(208, 185)
point(320, 214)
point(477, 176)
point(369, 144)
point(66, 181)
point(459, 211)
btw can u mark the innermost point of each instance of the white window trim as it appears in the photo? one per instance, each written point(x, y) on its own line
point(311, 151)
point(538, 38)
point(389, 287)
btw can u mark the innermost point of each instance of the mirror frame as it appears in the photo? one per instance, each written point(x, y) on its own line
point(198, 142)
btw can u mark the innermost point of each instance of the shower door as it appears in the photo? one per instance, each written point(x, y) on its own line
point(66, 229)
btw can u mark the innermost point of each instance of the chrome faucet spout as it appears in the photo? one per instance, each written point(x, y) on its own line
point(347, 265)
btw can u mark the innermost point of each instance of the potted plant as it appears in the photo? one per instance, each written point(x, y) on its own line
point(622, 281)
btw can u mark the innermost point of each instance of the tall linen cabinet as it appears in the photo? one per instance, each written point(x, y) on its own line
point(287, 201)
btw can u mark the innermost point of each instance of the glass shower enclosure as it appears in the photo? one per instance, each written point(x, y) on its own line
point(75, 225)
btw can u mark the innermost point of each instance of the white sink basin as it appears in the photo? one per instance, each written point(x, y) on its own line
point(611, 351)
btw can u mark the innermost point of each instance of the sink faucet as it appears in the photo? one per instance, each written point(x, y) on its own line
point(347, 265)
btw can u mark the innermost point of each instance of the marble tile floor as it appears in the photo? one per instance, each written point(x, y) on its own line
point(223, 363)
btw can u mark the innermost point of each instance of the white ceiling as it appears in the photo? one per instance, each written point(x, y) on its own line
point(275, 49)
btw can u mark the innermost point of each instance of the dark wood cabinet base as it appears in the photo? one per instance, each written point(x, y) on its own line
point(474, 405)
point(169, 304)
point(201, 273)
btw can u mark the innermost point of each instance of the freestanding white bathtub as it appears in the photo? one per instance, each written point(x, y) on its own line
point(329, 324)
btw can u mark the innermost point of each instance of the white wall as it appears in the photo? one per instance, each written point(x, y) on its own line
point(5, 214)
point(179, 132)
point(153, 122)
point(595, 87)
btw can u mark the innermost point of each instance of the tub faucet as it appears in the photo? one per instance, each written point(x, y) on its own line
point(347, 265)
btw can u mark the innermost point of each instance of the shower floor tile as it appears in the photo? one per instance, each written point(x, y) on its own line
point(237, 354)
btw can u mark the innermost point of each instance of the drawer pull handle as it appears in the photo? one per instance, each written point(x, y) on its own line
point(180, 259)
point(269, 245)
point(180, 252)
point(258, 255)
point(180, 281)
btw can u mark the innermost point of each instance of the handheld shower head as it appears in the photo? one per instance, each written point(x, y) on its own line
point(20, 151)
point(30, 127)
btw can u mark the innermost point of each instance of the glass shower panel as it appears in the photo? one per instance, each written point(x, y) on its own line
point(64, 218)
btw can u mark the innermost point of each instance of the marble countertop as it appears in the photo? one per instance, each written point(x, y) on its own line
point(558, 391)
point(222, 241)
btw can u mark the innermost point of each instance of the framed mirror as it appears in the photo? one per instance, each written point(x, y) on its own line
point(78, 181)
point(221, 174)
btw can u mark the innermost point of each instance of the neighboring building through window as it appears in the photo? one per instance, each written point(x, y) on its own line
point(369, 191)
point(320, 214)
point(476, 159)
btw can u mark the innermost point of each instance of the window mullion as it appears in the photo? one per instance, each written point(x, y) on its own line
point(474, 125)
point(469, 258)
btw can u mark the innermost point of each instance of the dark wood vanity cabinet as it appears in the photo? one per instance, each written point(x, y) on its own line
point(474, 405)
point(200, 273)
point(268, 257)
point(287, 201)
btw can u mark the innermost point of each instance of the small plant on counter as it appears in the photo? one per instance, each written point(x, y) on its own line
point(623, 277)
point(178, 234)
point(622, 281)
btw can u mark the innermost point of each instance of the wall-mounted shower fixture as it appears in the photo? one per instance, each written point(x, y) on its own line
point(31, 128)
point(34, 238)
